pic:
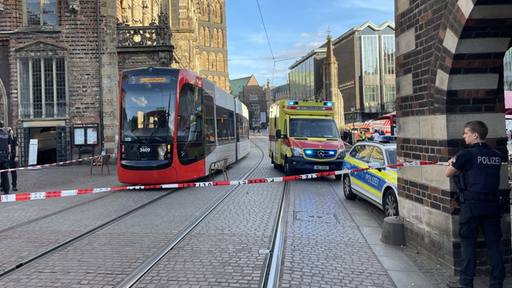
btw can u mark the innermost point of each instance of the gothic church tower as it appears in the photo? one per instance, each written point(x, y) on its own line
point(330, 91)
point(200, 39)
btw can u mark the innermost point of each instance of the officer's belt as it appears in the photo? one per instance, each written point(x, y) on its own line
point(4, 152)
point(480, 196)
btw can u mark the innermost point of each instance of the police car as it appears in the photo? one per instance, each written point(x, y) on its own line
point(378, 186)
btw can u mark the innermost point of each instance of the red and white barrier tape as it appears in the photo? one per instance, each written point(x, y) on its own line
point(49, 165)
point(57, 194)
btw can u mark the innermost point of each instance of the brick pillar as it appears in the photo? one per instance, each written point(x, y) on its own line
point(449, 71)
point(110, 77)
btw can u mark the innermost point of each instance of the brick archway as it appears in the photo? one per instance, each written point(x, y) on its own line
point(449, 71)
point(4, 112)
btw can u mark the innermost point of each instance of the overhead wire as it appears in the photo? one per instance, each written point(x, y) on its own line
point(268, 41)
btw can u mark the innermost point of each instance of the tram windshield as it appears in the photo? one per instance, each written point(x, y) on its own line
point(321, 128)
point(148, 100)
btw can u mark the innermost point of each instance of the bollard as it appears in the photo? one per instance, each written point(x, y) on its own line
point(393, 232)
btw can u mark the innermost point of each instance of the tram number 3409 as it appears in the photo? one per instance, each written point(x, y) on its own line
point(145, 149)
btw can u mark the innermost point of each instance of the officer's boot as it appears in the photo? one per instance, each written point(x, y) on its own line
point(14, 188)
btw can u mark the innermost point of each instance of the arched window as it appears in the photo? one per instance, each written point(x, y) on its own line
point(204, 61)
point(215, 38)
point(204, 10)
point(223, 82)
point(207, 37)
point(221, 39)
point(213, 62)
point(216, 80)
point(216, 12)
point(220, 62)
point(201, 36)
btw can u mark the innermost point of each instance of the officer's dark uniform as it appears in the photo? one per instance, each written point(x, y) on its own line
point(480, 209)
point(13, 141)
point(4, 160)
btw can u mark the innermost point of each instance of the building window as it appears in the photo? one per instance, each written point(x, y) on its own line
point(253, 97)
point(42, 87)
point(389, 93)
point(507, 70)
point(41, 12)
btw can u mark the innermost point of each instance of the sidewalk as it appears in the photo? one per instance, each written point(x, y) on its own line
point(65, 177)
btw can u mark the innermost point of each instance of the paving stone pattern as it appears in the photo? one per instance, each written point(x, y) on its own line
point(324, 247)
point(108, 256)
point(28, 241)
point(227, 249)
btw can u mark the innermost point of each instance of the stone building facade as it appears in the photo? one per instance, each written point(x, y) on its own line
point(449, 70)
point(61, 62)
point(200, 40)
point(57, 74)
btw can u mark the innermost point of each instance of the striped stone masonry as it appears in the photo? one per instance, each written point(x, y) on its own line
point(449, 70)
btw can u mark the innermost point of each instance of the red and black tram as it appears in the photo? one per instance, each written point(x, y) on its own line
point(173, 124)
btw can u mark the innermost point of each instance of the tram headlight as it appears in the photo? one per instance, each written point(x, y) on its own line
point(341, 153)
point(161, 151)
point(296, 151)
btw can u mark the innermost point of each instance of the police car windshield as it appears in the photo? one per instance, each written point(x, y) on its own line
point(321, 128)
point(391, 153)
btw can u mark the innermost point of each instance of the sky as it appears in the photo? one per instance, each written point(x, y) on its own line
point(294, 28)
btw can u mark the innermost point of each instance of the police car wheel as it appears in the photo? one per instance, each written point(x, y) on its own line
point(390, 204)
point(347, 189)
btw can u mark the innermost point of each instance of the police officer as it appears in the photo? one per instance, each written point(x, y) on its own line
point(5, 147)
point(362, 136)
point(13, 157)
point(480, 206)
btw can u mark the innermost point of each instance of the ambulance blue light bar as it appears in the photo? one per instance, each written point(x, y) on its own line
point(328, 104)
point(293, 103)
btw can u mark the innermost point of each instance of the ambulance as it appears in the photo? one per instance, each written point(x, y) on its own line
point(303, 137)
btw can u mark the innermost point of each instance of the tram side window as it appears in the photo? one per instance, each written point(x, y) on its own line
point(225, 125)
point(209, 120)
point(190, 123)
point(243, 127)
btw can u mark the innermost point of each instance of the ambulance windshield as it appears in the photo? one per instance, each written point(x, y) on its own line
point(319, 128)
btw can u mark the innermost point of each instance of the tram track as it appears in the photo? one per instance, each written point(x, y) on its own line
point(271, 272)
point(61, 246)
point(55, 213)
point(133, 278)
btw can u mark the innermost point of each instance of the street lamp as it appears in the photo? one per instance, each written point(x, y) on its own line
point(353, 109)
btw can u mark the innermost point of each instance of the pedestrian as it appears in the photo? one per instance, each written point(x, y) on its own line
point(13, 157)
point(478, 169)
point(4, 160)
point(376, 135)
point(258, 130)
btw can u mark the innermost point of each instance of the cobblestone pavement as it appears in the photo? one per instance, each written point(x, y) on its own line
point(225, 249)
point(108, 256)
point(324, 247)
